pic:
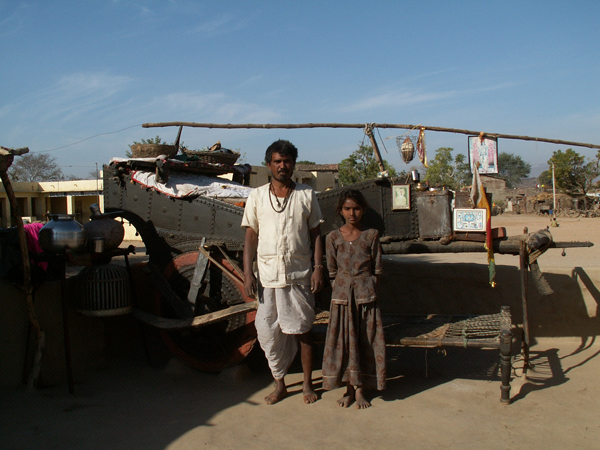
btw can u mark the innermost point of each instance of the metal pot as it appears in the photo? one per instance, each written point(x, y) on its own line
point(62, 232)
point(103, 227)
point(110, 230)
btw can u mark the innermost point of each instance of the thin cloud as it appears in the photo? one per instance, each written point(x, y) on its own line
point(183, 103)
point(210, 107)
point(250, 81)
point(246, 113)
point(80, 93)
point(13, 23)
point(72, 98)
point(394, 98)
point(224, 24)
point(214, 26)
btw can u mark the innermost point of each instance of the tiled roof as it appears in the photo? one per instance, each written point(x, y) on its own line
point(318, 167)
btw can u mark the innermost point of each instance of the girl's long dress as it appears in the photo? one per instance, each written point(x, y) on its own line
point(355, 343)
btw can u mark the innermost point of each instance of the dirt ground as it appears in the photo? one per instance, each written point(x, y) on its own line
point(433, 399)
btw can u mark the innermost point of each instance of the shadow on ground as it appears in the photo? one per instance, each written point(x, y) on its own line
point(151, 401)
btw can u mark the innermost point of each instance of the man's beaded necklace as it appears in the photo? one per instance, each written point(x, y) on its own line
point(280, 205)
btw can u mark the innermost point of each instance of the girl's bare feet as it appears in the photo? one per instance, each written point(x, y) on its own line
point(348, 397)
point(361, 401)
point(278, 394)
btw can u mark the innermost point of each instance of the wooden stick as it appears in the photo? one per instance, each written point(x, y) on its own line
point(233, 264)
point(220, 266)
point(225, 270)
point(27, 284)
point(198, 321)
point(362, 125)
point(369, 132)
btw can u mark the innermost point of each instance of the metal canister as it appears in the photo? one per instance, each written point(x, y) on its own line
point(60, 233)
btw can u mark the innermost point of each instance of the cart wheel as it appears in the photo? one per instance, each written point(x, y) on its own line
point(215, 347)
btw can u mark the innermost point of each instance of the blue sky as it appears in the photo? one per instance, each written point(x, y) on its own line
point(94, 71)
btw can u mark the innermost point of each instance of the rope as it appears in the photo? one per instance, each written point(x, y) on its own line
point(382, 143)
point(87, 139)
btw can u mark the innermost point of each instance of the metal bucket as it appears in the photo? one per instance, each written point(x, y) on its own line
point(104, 291)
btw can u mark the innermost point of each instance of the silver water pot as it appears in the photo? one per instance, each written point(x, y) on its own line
point(102, 227)
point(60, 232)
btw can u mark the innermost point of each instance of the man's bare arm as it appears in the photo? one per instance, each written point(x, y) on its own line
point(250, 246)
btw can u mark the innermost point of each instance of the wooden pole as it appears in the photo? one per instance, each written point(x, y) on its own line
point(369, 132)
point(6, 156)
point(362, 125)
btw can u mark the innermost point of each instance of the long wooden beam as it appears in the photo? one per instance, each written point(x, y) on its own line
point(362, 125)
point(509, 246)
point(198, 321)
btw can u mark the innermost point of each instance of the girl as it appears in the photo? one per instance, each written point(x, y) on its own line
point(355, 347)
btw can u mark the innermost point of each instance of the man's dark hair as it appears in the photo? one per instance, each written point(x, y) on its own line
point(351, 194)
point(284, 148)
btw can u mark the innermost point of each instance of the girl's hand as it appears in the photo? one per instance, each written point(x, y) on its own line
point(316, 281)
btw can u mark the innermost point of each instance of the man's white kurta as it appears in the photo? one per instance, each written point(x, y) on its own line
point(284, 246)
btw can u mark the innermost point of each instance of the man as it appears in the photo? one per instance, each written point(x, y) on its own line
point(282, 221)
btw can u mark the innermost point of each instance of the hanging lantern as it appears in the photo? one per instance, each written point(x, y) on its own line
point(407, 150)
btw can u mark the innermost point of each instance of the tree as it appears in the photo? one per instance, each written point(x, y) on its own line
point(512, 168)
point(361, 165)
point(572, 174)
point(155, 140)
point(305, 162)
point(35, 167)
point(444, 170)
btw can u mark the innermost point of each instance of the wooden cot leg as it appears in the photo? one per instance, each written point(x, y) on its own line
point(505, 364)
point(524, 270)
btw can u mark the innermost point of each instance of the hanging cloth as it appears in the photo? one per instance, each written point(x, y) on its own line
point(479, 200)
point(421, 150)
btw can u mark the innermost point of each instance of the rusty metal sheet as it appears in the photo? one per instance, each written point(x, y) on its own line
point(435, 218)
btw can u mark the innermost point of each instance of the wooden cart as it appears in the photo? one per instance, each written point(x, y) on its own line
point(195, 251)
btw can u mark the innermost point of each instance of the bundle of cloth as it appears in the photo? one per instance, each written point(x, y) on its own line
point(188, 185)
point(10, 249)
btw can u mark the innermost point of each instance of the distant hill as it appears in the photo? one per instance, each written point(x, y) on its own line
point(528, 183)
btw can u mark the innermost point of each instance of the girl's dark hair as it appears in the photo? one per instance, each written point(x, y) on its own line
point(283, 147)
point(351, 194)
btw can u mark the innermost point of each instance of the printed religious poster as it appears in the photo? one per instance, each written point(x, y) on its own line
point(466, 219)
point(400, 196)
point(485, 151)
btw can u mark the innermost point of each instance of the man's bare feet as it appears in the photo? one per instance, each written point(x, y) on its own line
point(278, 394)
point(361, 401)
point(306, 356)
point(348, 397)
point(309, 394)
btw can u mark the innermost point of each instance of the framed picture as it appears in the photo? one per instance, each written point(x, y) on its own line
point(400, 196)
point(470, 220)
point(485, 151)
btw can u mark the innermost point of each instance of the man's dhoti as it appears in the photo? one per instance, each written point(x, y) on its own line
point(282, 314)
